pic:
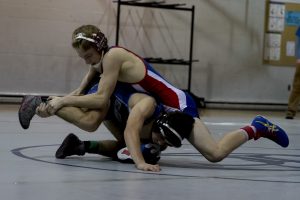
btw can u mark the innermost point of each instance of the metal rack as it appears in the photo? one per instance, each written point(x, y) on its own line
point(174, 6)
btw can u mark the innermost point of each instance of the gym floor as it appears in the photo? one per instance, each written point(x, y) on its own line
point(257, 170)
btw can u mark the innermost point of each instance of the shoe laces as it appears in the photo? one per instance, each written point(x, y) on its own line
point(271, 128)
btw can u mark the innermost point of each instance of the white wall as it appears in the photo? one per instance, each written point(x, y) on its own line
point(35, 43)
point(231, 34)
point(36, 56)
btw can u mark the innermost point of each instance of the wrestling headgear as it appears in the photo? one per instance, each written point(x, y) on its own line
point(174, 127)
point(88, 36)
point(98, 39)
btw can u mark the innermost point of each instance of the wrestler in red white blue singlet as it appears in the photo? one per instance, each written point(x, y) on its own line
point(171, 97)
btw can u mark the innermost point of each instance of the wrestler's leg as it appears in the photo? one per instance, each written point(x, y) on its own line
point(72, 145)
point(294, 97)
point(88, 120)
point(216, 151)
point(211, 149)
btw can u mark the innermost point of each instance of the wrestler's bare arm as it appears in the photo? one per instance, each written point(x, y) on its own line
point(99, 100)
point(142, 110)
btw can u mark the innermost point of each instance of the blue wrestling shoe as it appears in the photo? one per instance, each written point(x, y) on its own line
point(266, 129)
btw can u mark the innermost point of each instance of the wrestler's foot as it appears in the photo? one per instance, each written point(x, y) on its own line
point(27, 109)
point(151, 154)
point(124, 156)
point(70, 146)
point(264, 128)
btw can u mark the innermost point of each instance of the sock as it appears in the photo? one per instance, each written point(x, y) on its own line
point(251, 131)
point(91, 146)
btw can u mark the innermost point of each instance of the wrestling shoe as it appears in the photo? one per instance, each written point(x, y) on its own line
point(123, 155)
point(27, 109)
point(266, 129)
point(151, 154)
point(70, 146)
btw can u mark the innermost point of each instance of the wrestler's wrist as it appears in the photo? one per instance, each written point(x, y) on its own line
point(65, 100)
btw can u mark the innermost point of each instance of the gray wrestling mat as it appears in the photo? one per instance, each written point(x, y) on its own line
point(257, 170)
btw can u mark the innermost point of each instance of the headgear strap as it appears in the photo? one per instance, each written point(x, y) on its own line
point(81, 36)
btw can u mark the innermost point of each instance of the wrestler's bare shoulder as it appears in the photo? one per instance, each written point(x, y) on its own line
point(122, 54)
point(131, 66)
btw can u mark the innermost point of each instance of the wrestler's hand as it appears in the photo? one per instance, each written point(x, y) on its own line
point(42, 110)
point(148, 167)
point(54, 104)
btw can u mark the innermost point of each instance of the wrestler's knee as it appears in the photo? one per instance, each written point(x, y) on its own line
point(215, 156)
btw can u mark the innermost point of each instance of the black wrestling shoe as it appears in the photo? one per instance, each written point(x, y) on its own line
point(70, 146)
